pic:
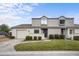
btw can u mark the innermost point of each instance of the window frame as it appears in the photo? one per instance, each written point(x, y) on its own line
point(62, 22)
point(36, 31)
point(44, 21)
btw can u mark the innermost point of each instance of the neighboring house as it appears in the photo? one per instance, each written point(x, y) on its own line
point(45, 26)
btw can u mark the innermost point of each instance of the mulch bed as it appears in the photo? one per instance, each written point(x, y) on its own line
point(2, 39)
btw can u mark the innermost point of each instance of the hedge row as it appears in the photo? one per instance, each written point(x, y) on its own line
point(61, 37)
point(31, 38)
point(76, 37)
point(9, 36)
point(56, 36)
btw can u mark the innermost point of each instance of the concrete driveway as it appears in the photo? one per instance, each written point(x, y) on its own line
point(8, 45)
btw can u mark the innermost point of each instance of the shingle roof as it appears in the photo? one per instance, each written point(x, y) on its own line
point(30, 26)
point(53, 18)
point(22, 26)
point(76, 25)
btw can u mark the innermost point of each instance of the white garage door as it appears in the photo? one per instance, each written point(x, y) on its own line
point(21, 34)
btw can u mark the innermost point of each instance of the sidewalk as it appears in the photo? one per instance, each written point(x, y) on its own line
point(41, 53)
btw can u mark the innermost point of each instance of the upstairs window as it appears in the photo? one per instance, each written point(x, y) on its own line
point(44, 21)
point(62, 22)
point(36, 31)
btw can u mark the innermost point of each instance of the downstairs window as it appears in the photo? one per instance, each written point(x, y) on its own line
point(36, 31)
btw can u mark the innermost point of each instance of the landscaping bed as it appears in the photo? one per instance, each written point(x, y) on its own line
point(4, 39)
point(53, 45)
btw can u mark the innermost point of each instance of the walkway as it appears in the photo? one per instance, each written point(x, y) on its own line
point(41, 53)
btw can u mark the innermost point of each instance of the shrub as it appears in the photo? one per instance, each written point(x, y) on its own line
point(76, 37)
point(28, 38)
point(35, 37)
point(39, 38)
point(62, 36)
point(51, 36)
point(11, 37)
point(56, 36)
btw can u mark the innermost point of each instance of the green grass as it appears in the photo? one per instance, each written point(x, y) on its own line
point(53, 45)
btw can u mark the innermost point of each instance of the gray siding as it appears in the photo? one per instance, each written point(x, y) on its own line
point(36, 22)
point(69, 23)
point(53, 22)
point(54, 31)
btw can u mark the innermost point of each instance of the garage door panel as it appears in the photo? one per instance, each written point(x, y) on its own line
point(21, 34)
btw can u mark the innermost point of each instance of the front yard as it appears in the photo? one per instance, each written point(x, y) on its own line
point(53, 45)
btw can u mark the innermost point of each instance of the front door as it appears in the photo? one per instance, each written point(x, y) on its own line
point(63, 31)
point(45, 32)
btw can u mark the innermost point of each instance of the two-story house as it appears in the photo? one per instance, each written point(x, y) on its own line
point(45, 26)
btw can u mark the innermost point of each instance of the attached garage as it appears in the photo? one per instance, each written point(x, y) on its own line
point(21, 34)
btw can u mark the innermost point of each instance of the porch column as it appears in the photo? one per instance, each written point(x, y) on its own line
point(68, 33)
point(72, 34)
point(72, 37)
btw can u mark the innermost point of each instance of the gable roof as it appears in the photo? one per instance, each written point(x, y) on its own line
point(53, 18)
point(22, 26)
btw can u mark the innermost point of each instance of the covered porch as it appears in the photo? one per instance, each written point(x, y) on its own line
point(68, 32)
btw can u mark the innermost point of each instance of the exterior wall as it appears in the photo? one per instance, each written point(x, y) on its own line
point(36, 22)
point(13, 32)
point(69, 23)
point(53, 22)
point(31, 33)
point(31, 30)
point(22, 33)
point(53, 31)
point(68, 35)
point(76, 32)
point(56, 22)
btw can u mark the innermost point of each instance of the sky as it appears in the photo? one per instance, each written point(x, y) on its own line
point(14, 14)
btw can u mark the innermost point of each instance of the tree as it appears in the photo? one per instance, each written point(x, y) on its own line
point(4, 28)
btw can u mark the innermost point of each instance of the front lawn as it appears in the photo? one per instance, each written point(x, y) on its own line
point(53, 45)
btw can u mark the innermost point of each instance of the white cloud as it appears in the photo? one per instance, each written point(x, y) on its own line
point(10, 12)
point(8, 18)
